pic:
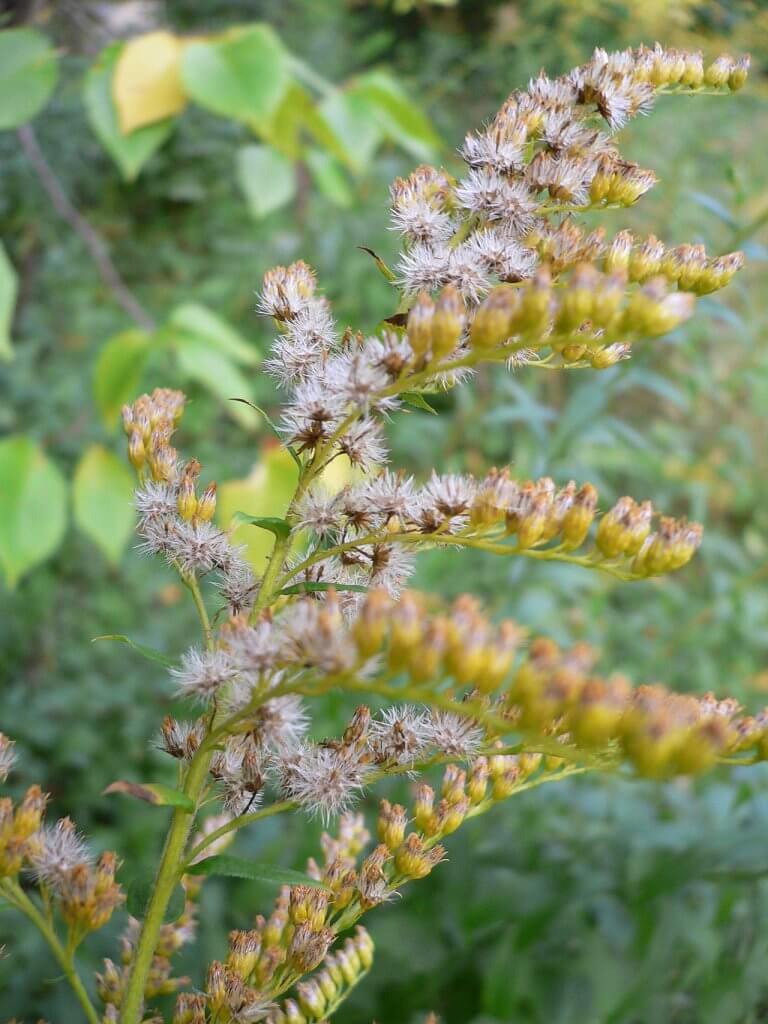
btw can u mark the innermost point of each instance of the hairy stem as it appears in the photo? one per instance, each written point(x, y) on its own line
point(165, 882)
point(190, 582)
point(16, 895)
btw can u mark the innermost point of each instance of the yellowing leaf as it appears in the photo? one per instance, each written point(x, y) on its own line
point(102, 491)
point(146, 86)
point(266, 492)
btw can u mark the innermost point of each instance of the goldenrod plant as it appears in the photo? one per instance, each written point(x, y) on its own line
point(496, 268)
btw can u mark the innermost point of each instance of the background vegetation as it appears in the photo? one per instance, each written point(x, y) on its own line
point(600, 900)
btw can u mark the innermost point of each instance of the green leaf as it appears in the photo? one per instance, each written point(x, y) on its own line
point(242, 75)
point(153, 793)
point(102, 492)
point(139, 893)
point(329, 177)
point(215, 371)
point(28, 70)
point(239, 867)
point(418, 401)
point(273, 427)
point(33, 507)
point(279, 527)
point(266, 491)
point(353, 120)
point(312, 588)
point(397, 114)
point(380, 264)
point(266, 177)
point(118, 370)
point(8, 289)
point(130, 152)
point(192, 318)
point(146, 652)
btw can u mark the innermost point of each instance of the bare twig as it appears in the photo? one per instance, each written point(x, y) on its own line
point(93, 242)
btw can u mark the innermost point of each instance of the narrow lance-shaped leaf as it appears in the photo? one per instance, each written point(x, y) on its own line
point(239, 867)
point(153, 793)
point(146, 652)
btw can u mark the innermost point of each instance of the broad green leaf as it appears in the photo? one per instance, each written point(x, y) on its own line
point(146, 652)
point(8, 289)
point(146, 85)
point(33, 507)
point(316, 588)
point(298, 116)
point(266, 492)
point(28, 70)
point(130, 152)
point(139, 892)
point(153, 793)
point(266, 177)
point(397, 114)
point(329, 177)
point(239, 867)
point(242, 75)
point(118, 370)
point(197, 320)
point(215, 371)
point(102, 495)
point(273, 524)
point(353, 120)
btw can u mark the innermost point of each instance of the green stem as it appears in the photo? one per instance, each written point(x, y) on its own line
point(165, 882)
point(19, 898)
point(190, 582)
point(233, 826)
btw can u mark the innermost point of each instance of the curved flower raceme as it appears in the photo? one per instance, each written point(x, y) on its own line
point(496, 267)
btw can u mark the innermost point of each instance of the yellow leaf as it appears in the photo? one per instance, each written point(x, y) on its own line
point(267, 491)
point(146, 86)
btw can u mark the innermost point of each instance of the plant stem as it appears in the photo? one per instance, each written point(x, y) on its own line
point(190, 582)
point(94, 243)
point(233, 826)
point(19, 898)
point(165, 881)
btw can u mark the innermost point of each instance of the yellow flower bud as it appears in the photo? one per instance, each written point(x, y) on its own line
point(578, 518)
point(491, 323)
point(206, 504)
point(719, 71)
point(419, 328)
point(136, 450)
point(447, 322)
point(186, 500)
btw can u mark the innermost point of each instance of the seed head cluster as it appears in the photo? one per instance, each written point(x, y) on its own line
point(495, 267)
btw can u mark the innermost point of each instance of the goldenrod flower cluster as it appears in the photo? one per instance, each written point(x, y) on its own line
point(495, 268)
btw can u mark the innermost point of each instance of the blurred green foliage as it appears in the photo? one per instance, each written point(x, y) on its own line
point(600, 901)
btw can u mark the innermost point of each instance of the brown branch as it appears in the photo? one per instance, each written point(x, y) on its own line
point(93, 242)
